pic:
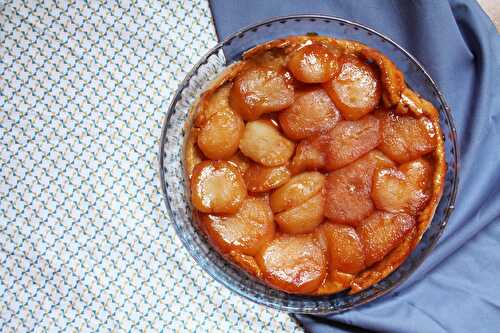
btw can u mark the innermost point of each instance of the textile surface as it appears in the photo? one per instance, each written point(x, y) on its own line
point(85, 242)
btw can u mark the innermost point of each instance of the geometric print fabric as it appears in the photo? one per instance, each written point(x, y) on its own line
point(85, 240)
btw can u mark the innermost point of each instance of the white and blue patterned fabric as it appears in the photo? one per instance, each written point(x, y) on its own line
point(85, 240)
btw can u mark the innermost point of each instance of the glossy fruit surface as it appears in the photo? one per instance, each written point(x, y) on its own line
point(313, 63)
point(295, 263)
point(217, 187)
point(263, 143)
point(356, 89)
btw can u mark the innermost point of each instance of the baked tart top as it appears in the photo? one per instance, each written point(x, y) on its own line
point(313, 166)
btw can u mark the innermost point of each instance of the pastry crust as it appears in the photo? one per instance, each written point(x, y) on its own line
point(396, 95)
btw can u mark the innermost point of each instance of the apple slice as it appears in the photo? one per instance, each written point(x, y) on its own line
point(263, 143)
point(381, 232)
point(217, 187)
point(405, 138)
point(246, 231)
point(309, 156)
point(348, 189)
point(343, 144)
point(219, 138)
point(356, 90)
point(260, 90)
point(293, 263)
point(349, 140)
point(262, 179)
point(304, 217)
point(345, 250)
point(240, 161)
point(313, 112)
point(248, 263)
point(403, 190)
point(296, 191)
point(313, 63)
point(217, 101)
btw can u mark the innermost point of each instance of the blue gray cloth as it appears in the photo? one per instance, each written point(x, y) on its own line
point(457, 288)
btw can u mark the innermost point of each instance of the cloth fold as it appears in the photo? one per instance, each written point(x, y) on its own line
point(456, 288)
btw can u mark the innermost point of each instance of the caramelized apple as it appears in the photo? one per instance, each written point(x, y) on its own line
point(293, 263)
point(263, 143)
point(392, 79)
point(356, 90)
point(310, 163)
point(308, 156)
point(262, 179)
point(246, 231)
point(192, 155)
point(248, 263)
point(296, 191)
point(381, 232)
point(313, 112)
point(217, 187)
point(345, 250)
point(240, 161)
point(406, 190)
point(335, 281)
point(348, 189)
point(344, 144)
point(304, 217)
point(217, 101)
point(405, 138)
point(259, 90)
point(313, 63)
point(349, 140)
point(220, 136)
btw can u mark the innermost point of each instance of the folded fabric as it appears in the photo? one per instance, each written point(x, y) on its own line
point(456, 289)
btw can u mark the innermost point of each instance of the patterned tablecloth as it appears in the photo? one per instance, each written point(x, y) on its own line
point(85, 242)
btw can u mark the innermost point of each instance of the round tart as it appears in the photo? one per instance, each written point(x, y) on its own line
point(313, 166)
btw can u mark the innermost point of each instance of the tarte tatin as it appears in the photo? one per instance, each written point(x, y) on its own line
point(313, 166)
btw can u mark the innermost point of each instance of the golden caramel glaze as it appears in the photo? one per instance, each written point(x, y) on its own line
point(304, 217)
point(313, 63)
point(192, 153)
point(263, 143)
point(293, 263)
point(241, 162)
point(335, 282)
point(263, 179)
point(217, 187)
point(246, 231)
point(296, 191)
point(392, 78)
point(344, 246)
point(356, 89)
point(248, 263)
point(386, 266)
point(289, 271)
point(312, 112)
point(411, 102)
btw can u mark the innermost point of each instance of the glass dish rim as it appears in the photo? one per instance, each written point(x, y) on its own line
point(227, 283)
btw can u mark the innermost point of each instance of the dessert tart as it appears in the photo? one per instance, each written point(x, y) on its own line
point(313, 166)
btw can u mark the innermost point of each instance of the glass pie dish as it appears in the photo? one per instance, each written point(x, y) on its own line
point(174, 183)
